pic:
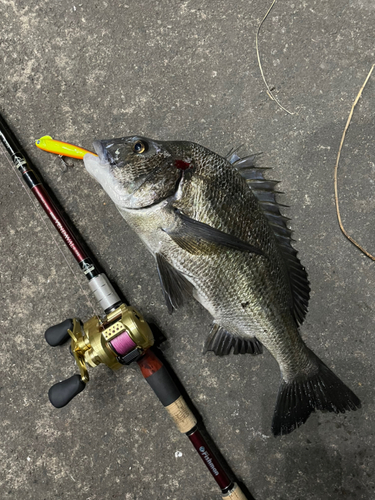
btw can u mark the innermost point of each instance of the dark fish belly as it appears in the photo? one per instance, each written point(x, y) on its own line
point(233, 289)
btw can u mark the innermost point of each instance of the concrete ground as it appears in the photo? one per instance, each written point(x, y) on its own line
point(184, 70)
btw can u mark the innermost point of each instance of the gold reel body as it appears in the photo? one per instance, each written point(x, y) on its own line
point(91, 343)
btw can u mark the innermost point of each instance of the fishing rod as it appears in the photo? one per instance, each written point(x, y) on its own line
point(121, 336)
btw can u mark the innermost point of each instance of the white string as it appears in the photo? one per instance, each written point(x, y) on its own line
point(35, 206)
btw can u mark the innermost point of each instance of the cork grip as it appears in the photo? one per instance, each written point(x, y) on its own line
point(234, 494)
point(182, 416)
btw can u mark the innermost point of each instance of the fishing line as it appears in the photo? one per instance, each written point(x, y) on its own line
point(269, 91)
point(37, 210)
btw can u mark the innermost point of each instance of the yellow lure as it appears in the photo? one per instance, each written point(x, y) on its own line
point(60, 148)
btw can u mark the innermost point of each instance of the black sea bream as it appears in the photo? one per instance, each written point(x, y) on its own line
point(217, 234)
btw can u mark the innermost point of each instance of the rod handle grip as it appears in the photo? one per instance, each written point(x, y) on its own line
point(58, 334)
point(157, 376)
point(182, 416)
point(63, 392)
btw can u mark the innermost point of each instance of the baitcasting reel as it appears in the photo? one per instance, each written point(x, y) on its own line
point(117, 339)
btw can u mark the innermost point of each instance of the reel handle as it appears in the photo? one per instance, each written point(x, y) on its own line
point(58, 334)
point(61, 393)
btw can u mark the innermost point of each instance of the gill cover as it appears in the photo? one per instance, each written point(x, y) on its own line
point(135, 172)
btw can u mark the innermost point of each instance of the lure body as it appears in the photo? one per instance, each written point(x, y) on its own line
point(60, 148)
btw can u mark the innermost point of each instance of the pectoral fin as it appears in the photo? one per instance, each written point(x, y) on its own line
point(190, 234)
point(176, 288)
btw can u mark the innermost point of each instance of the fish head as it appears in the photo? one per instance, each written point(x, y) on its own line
point(135, 171)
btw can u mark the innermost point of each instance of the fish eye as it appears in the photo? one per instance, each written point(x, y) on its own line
point(139, 147)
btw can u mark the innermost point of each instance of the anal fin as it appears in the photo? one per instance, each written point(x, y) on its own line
point(222, 342)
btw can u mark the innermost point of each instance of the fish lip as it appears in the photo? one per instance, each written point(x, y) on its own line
point(100, 169)
point(100, 151)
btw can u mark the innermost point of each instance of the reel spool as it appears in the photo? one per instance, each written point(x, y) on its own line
point(117, 339)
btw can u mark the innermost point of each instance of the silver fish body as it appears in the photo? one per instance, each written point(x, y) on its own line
point(216, 232)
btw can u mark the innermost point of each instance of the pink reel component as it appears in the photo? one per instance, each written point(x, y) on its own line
point(123, 344)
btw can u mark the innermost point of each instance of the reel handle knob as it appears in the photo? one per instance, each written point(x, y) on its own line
point(61, 393)
point(58, 334)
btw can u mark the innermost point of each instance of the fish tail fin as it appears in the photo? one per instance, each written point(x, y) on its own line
point(298, 398)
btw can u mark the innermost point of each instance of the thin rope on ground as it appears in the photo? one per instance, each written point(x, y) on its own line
point(337, 166)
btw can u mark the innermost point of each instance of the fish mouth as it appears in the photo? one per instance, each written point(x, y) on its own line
point(101, 151)
point(99, 167)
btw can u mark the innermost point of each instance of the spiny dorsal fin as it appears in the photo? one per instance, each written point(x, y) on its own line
point(265, 192)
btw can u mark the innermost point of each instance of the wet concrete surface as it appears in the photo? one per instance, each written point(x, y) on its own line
point(184, 70)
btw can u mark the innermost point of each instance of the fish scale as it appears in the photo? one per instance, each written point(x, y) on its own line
point(216, 231)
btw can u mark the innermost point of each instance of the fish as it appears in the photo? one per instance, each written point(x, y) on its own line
point(217, 233)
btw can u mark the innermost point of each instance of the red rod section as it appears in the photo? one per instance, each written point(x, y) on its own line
point(70, 240)
point(209, 459)
point(149, 364)
point(25, 166)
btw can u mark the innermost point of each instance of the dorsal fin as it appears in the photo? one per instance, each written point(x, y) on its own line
point(265, 192)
